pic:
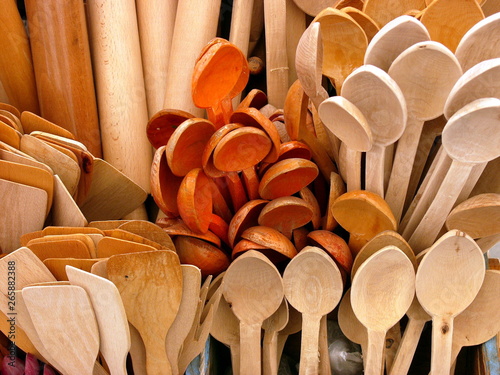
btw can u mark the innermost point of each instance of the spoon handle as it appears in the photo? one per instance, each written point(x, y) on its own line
point(402, 166)
point(407, 348)
point(435, 217)
point(235, 358)
point(250, 358)
point(269, 353)
point(442, 341)
point(309, 359)
point(374, 364)
point(353, 169)
point(374, 175)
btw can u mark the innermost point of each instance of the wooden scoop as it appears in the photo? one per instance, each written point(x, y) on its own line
point(425, 87)
point(253, 299)
point(66, 324)
point(246, 217)
point(479, 43)
point(383, 105)
point(370, 291)
point(477, 216)
point(457, 137)
point(111, 318)
point(457, 17)
point(27, 214)
point(448, 279)
point(280, 246)
point(211, 260)
point(162, 125)
point(145, 279)
point(286, 214)
point(470, 327)
point(312, 276)
point(347, 122)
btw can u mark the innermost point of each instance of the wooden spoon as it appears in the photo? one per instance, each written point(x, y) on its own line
point(457, 17)
point(162, 125)
point(377, 216)
point(280, 246)
point(253, 299)
point(425, 90)
point(244, 218)
point(314, 7)
point(368, 25)
point(28, 211)
point(350, 325)
point(344, 45)
point(312, 276)
point(383, 105)
point(271, 326)
point(286, 214)
point(458, 135)
point(143, 280)
point(383, 11)
point(392, 39)
point(347, 122)
point(469, 326)
point(66, 324)
point(111, 318)
point(473, 47)
point(477, 216)
point(448, 279)
point(210, 259)
point(369, 299)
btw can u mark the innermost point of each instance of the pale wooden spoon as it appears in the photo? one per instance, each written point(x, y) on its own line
point(372, 288)
point(271, 326)
point(313, 285)
point(350, 325)
point(448, 279)
point(254, 288)
point(425, 87)
point(383, 11)
point(475, 124)
point(111, 318)
point(381, 101)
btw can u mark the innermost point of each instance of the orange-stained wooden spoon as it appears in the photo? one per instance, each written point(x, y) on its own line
point(161, 126)
point(282, 247)
point(244, 218)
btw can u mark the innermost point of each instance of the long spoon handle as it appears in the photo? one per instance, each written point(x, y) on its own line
point(269, 353)
point(407, 348)
point(402, 166)
point(324, 354)
point(353, 169)
point(374, 364)
point(250, 358)
point(375, 170)
point(309, 363)
point(442, 339)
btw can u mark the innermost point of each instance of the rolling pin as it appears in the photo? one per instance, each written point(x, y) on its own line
point(16, 66)
point(195, 25)
point(63, 69)
point(156, 19)
point(123, 113)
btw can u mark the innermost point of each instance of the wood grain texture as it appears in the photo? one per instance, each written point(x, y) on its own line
point(383, 11)
point(63, 70)
point(196, 25)
point(16, 65)
point(120, 88)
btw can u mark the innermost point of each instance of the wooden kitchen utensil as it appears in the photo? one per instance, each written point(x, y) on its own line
point(271, 326)
point(448, 279)
point(312, 276)
point(145, 279)
point(383, 11)
point(253, 299)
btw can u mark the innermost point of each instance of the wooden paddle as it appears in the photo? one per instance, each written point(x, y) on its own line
point(424, 101)
point(455, 264)
point(312, 276)
point(457, 135)
point(16, 73)
point(123, 113)
point(369, 298)
point(63, 68)
point(68, 329)
point(114, 336)
point(253, 299)
point(143, 280)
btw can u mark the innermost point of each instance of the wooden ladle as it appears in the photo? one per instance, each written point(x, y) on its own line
point(313, 286)
point(254, 288)
point(448, 279)
point(370, 292)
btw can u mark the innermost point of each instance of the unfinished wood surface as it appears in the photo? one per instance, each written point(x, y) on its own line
point(114, 336)
point(27, 212)
point(59, 248)
point(16, 72)
point(383, 11)
point(350, 325)
point(66, 324)
point(65, 212)
point(57, 266)
point(32, 122)
point(144, 280)
point(456, 264)
point(150, 231)
point(118, 73)
point(63, 68)
point(110, 246)
point(271, 326)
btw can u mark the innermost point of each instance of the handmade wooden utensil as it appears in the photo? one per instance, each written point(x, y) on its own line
point(272, 326)
point(383, 11)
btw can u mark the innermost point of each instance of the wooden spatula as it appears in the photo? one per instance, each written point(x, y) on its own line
point(145, 280)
